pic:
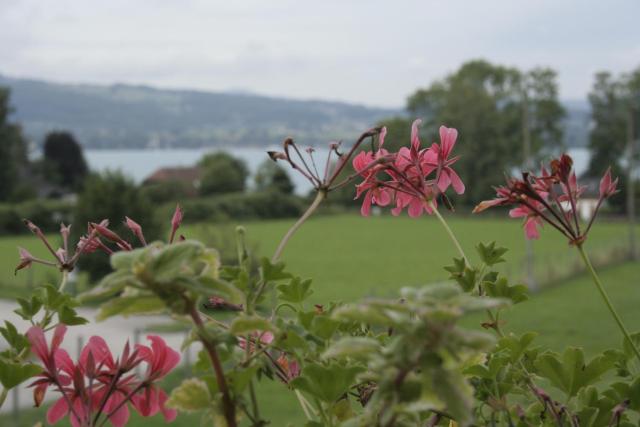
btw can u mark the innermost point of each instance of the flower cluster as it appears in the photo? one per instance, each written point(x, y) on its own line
point(553, 197)
point(94, 240)
point(324, 181)
point(99, 385)
point(413, 177)
point(286, 367)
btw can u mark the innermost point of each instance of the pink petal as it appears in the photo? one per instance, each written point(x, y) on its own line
point(444, 181)
point(58, 336)
point(121, 416)
point(35, 334)
point(365, 210)
point(383, 133)
point(415, 208)
point(448, 138)
point(456, 182)
point(64, 362)
point(531, 229)
point(57, 411)
point(518, 212)
point(382, 197)
point(415, 140)
point(169, 414)
point(99, 350)
point(165, 357)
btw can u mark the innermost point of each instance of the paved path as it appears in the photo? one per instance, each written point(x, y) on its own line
point(116, 331)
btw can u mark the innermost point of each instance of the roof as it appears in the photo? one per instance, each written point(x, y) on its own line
point(188, 174)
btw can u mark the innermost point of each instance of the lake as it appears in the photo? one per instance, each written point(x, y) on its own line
point(139, 164)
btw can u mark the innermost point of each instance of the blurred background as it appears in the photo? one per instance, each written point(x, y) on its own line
point(123, 108)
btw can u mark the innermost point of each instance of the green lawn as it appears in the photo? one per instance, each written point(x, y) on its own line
point(349, 256)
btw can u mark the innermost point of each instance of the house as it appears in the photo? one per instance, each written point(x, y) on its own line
point(188, 176)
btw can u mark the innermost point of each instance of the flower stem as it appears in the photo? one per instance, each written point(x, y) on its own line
point(607, 301)
point(320, 196)
point(449, 232)
point(227, 404)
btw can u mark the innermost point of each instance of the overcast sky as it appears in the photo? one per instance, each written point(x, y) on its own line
point(370, 52)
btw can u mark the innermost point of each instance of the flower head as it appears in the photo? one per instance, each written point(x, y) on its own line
point(99, 384)
point(553, 197)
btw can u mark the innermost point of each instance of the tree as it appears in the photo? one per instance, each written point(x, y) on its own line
point(222, 173)
point(485, 102)
point(13, 151)
point(112, 196)
point(611, 100)
point(64, 156)
point(272, 177)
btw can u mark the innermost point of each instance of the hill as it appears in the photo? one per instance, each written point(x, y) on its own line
point(126, 116)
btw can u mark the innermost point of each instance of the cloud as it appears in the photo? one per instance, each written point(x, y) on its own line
point(373, 52)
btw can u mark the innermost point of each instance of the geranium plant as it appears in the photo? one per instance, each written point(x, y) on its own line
point(402, 361)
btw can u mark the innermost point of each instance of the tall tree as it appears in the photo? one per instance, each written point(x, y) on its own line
point(485, 103)
point(13, 150)
point(272, 177)
point(64, 156)
point(222, 173)
point(612, 98)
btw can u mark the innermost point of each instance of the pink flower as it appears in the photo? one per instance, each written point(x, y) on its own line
point(438, 157)
point(374, 191)
point(289, 367)
point(136, 229)
point(264, 337)
point(607, 185)
point(160, 358)
point(26, 259)
point(176, 220)
point(99, 384)
point(531, 223)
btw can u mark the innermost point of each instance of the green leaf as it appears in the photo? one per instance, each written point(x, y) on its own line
point(296, 291)
point(69, 316)
point(16, 340)
point(570, 373)
point(247, 324)
point(354, 347)
point(515, 345)
point(465, 276)
point(12, 373)
point(324, 326)
point(454, 391)
point(111, 285)
point(272, 272)
point(128, 305)
point(501, 289)
point(28, 308)
point(327, 383)
point(171, 260)
point(490, 255)
point(239, 379)
point(192, 395)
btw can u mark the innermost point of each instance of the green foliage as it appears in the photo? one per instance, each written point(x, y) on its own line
point(240, 206)
point(191, 395)
point(611, 99)
point(485, 103)
point(222, 173)
point(13, 151)
point(64, 155)
point(270, 176)
point(46, 213)
point(569, 372)
point(326, 382)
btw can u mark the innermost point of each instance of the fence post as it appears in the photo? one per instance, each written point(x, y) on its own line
point(16, 406)
point(187, 359)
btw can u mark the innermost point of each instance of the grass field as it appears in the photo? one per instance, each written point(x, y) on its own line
point(350, 257)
